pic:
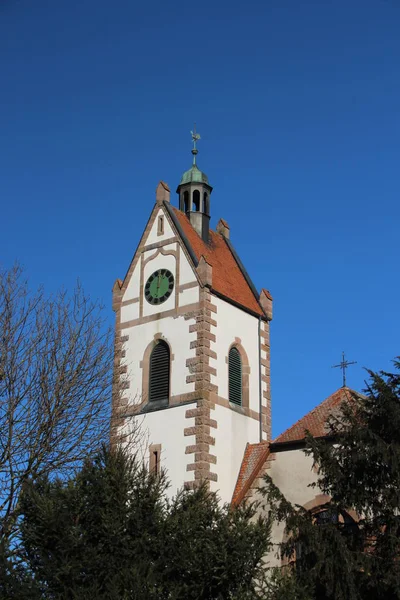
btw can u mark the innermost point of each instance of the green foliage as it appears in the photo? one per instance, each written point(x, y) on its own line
point(109, 532)
point(80, 536)
point(360, 471)
point(15, 581)
point(216, 551)
point(281, 585)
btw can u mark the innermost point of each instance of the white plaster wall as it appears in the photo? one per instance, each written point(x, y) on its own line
point(133, 289)
point(231, 436)
point(176, 332)
point(292, 473)
point(233, 322)
point(189, 296)
point(153, 236)
point(186, 271)
point(130, 312)
point(166, 427)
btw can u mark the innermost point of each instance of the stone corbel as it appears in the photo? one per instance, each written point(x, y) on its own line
point(223, 228)
point(116, 294)
point(204, 271)
point(266, 303)
point(162, 193)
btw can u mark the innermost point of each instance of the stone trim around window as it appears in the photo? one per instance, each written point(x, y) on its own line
point(245, 374)
point(160, 225)
point(145, 366)
point(155, 459)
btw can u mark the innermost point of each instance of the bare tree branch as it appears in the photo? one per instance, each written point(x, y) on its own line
point(56, 380)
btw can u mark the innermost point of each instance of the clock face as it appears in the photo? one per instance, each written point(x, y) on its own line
point(159, 286)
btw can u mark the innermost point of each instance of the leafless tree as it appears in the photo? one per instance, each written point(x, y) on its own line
point(56, 376)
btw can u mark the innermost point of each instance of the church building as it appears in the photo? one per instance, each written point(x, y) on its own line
point(193, 358)
point(192, 340)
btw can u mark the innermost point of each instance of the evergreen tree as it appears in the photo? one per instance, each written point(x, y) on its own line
point(360, 470)
point(110, 533)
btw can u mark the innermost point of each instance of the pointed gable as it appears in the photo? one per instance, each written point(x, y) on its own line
point(229, 279)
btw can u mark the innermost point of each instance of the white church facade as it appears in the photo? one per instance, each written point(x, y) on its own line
point(193, 357)
point(194, 338)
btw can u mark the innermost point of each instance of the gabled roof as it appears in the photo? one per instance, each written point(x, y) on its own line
point(256, 455)
point(315, 420)
point(229, 279)
point(254, 458)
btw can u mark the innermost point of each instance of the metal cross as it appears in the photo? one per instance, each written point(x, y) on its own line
point(343, 365)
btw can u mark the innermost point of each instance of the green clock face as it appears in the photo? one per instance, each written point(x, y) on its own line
point(159, 286)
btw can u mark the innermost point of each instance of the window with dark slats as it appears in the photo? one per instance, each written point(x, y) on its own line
point(235, 377)
point(159, 374)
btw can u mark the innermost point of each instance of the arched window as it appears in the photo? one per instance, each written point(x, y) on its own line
point(205, 204)
point(330, 515)
point(159, 374)
point(186, 201)
point(322, 516)
point(196, 200)
point(235, 377)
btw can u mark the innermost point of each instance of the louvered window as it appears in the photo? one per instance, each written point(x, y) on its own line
point(159, 374)
point(235, 377)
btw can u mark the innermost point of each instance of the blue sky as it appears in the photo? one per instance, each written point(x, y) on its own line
point(297, 104)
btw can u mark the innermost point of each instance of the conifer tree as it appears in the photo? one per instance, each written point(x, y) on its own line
point(110, 533)
point(360, 471)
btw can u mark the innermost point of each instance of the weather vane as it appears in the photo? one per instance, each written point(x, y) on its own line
point(195, 138)
point(343, 365)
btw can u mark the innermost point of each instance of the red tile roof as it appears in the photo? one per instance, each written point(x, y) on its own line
point(227, 277)
point(315, 420)
point(256, 455)
point(254, 458)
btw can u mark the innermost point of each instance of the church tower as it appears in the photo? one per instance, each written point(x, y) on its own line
point(194, 195)
point(192, 344)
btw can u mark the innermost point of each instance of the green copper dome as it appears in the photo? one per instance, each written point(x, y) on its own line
point(194, 175)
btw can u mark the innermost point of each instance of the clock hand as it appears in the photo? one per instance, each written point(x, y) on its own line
point(158, 283)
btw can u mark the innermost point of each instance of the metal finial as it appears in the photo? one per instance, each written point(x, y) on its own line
point(343, 365)
point(195, 138)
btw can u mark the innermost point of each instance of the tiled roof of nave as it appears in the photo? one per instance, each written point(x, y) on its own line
point(315, 421)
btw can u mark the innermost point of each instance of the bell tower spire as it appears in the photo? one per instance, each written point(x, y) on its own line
point(194, 194)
